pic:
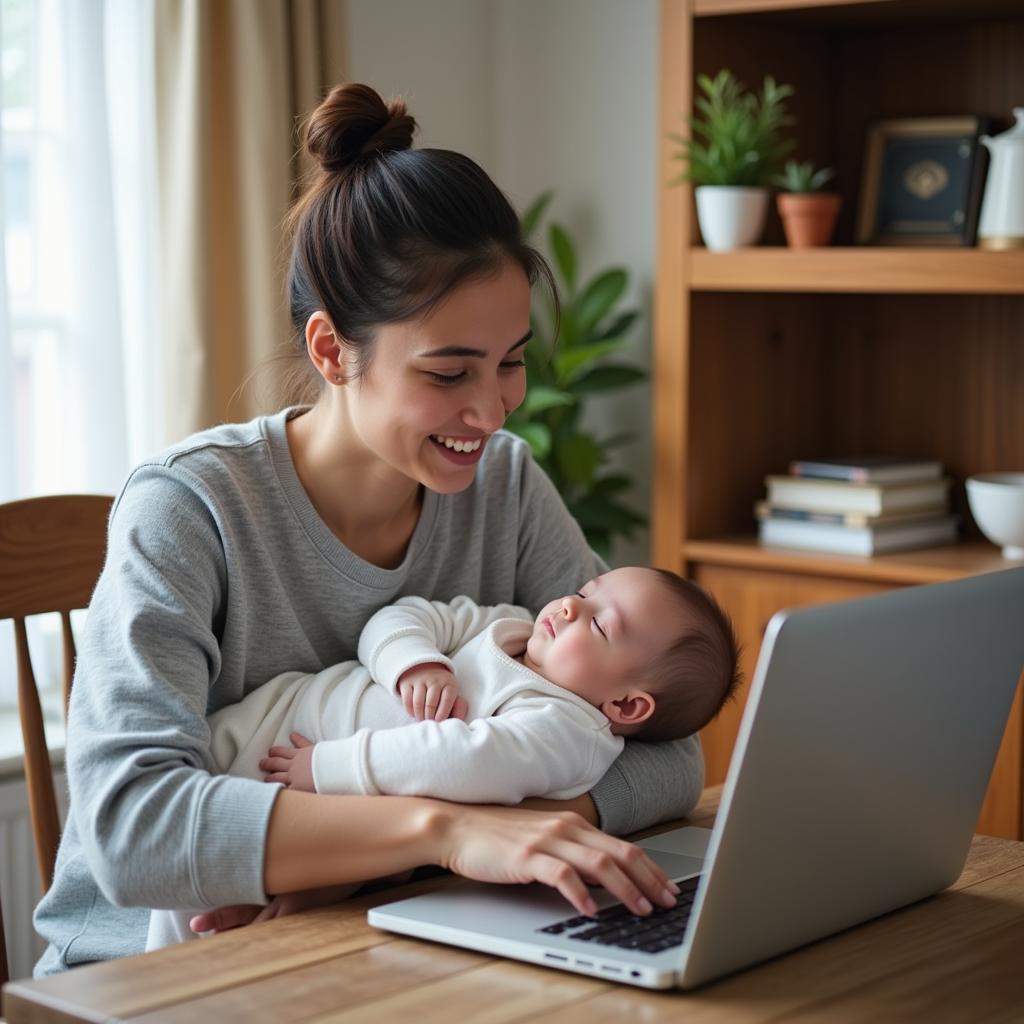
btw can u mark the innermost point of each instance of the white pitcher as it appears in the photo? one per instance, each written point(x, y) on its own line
point(1001, 225)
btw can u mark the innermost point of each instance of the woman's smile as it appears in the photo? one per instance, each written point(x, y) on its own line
point(463, 451)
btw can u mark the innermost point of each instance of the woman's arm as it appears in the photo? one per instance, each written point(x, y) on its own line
point(650, 783)
point(317, 840)
point(582, 805)
point(156, 828)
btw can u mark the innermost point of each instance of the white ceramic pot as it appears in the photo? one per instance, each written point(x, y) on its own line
point(1001, 224)
point(730, 216)
point(997, 504)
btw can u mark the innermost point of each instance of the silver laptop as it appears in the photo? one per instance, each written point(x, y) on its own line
point(858, 774)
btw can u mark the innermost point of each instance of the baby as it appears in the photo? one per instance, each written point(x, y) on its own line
point(494, 706)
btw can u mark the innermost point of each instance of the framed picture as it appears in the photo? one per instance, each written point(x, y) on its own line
point(922, 182)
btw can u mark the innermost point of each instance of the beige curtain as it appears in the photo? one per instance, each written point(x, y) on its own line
point(233, 78)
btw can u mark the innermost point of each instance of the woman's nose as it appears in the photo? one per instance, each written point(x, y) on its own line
point(570, 607)
point(487, 412)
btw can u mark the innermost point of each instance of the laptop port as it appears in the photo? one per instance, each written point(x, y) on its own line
point(555, 956)
point(611, 970)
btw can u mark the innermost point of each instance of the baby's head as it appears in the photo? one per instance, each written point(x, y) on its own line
point(653, 651)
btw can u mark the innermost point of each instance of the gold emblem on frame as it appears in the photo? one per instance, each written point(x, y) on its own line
point(925, 179)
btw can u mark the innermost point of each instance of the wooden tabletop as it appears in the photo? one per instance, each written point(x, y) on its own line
point(955, 957)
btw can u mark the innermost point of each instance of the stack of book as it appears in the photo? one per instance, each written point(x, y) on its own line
point(858, 506)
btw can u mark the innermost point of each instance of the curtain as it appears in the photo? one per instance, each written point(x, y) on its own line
point(149, 152)
point(66, 410)
point(233, 80)
point(63, 421)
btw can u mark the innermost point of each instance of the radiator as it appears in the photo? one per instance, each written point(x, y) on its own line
point(19, 878)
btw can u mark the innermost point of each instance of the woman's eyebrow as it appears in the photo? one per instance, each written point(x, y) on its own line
point(463, 350)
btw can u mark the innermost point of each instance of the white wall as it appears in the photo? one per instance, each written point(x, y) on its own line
point(434, 53)
point(555, 94)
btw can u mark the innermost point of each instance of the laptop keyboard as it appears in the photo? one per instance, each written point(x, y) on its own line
point(662, 929)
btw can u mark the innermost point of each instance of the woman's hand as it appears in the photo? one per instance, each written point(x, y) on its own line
point(316, 839)
point(561, 850)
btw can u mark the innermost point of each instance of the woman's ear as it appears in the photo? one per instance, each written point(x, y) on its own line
point(326, 350)
point(632, 709)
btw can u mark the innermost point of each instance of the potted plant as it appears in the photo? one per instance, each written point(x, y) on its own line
point(569, 360)
point(808, 214)
point(734, 150)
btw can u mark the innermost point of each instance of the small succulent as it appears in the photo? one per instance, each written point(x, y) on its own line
point(737, 136)
point(802, 177)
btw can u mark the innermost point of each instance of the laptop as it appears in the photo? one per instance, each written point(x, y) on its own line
point(855, 784)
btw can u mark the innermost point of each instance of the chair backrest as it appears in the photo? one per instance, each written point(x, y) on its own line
point(51, 553)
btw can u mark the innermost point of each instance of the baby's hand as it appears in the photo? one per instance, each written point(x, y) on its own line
point(431, 692)
point(291, 765)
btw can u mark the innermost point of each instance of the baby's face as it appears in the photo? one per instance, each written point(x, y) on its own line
point(598, 641)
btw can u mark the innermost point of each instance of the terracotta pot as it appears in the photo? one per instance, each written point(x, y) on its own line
point(809, 218)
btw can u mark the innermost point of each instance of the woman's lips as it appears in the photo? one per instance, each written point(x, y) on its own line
point(548, 626)
point(460, 458)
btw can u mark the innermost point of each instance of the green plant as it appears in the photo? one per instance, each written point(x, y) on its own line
point(568, 361)
point(738, 139)
point(797, 177)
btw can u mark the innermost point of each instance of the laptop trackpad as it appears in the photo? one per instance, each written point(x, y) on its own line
point(675, 865)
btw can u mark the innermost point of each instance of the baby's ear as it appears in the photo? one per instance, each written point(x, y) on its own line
point(632, 709)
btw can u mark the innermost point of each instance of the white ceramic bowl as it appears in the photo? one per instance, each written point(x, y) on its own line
point(997, 504)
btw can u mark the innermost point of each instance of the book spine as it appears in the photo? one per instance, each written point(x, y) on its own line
point(811, 497)
point(804, 516)
point(851, 473)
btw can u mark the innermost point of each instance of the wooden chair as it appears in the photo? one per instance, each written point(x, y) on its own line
point(51, 554)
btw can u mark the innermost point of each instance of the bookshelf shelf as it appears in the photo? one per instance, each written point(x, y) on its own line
point(868, 270)
point(710, 8)
point(765, 355)
point(905, 568)
point(852, 14)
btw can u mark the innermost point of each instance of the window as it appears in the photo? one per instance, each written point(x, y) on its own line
point(78, 405)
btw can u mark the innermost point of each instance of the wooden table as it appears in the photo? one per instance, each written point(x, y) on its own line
point(956, 957)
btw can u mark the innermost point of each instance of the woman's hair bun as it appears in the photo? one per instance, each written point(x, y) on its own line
point(354, 123)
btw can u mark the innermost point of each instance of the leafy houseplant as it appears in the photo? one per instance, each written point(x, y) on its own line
point(735, 147)
point(808, 214)
point(568, 361)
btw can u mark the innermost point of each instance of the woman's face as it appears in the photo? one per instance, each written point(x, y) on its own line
point(446, 382)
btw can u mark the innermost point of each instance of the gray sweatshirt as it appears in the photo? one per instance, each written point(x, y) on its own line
point(220, 575)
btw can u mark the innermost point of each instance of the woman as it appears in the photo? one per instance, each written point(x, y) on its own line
point(257, 548)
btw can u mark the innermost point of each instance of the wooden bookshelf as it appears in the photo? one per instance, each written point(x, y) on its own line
point(766, 354)
point(858, 13)
point(904, 568)
point(868, 270)
point(704, 8)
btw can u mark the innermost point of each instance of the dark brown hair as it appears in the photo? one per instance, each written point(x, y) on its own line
point(699, 671)
point(385, 232)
